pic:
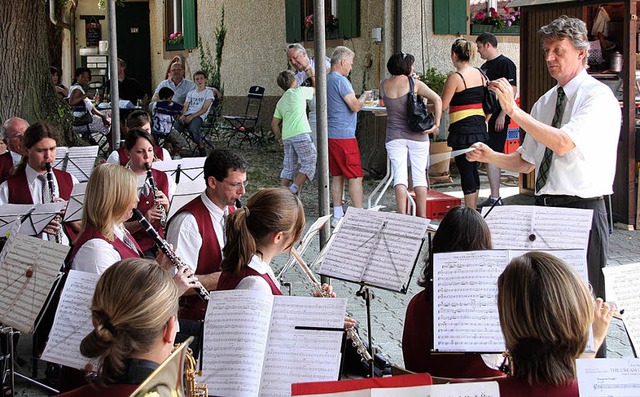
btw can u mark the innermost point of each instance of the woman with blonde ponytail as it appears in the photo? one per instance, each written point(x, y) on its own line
point(134, 313)
point(270, 223)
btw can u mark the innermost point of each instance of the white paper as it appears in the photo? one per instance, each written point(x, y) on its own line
point(60, 163)
point(41, 216)
point(476, 389)
point(72, 321)
point(377, 248)
point(465, 290)
point(76, 203)
point(28, 270)
point(608, 377)
point(622, 283)
point(251, 346)
point(82, 161)
point(9, 213)
point(536, 227)
point(190, 168)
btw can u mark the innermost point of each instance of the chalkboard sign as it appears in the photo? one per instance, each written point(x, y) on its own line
point(93, 33)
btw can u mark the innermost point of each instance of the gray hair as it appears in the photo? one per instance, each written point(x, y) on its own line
point(563, 27)
point(340, 53)
point(297, 46)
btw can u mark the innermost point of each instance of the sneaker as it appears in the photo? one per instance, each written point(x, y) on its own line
point(489, 202)
point(334, 222)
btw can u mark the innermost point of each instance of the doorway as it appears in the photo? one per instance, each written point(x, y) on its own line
point(134, 41)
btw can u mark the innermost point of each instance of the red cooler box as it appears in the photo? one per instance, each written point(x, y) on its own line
point(438, 203)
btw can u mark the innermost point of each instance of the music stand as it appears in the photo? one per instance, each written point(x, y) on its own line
point(81, 160)
point(190, 168)
point(34, 218)
point(29, 269)
point(76, 203)
point(377, 249)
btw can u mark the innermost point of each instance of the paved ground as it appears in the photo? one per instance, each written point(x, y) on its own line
point(388, 308)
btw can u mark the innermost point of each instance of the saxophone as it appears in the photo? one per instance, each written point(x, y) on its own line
point(191, 389)
point(52, 192)
point(154, 188)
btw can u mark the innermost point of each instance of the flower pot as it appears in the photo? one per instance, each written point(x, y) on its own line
point(440, 169)
point(174, 47)
point(513, 30)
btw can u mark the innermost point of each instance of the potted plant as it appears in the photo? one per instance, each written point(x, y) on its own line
point(439, 171)
point(330, 25)
point(175, 41)
point(506, 22)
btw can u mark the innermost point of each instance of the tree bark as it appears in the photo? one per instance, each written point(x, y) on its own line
point(26, 89)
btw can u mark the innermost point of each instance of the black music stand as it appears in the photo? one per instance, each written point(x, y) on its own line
point(375, 249)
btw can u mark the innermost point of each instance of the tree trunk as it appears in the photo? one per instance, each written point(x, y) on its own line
point(26, 89)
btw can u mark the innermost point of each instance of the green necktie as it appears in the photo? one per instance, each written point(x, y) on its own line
point(545, 166)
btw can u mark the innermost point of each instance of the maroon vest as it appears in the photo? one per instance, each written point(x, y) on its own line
point(228, 281)
point(145, 203)
point(209, 257)
point(6, 165)
point(124, 157)
point(91, 233)
point(19, 192)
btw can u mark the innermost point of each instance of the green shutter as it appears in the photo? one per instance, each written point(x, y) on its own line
point(349, 18)
point(293, 17)
point(189, 24)
point(450, 16)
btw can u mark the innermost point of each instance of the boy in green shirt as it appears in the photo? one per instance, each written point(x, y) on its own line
point(291, 111)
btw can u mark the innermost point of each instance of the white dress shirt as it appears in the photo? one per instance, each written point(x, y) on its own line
point(96, 255)
point(114, 157)
point(183, 232)
point(257, 282)
point(16, 157)
point(592, 120)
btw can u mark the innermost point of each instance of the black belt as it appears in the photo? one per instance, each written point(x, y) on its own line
point(548, 200)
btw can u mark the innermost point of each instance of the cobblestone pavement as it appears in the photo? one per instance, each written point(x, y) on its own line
point(388, 308)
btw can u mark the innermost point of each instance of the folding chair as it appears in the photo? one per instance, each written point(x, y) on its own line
point(246, 124)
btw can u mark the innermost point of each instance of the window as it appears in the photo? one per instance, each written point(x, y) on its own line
point(180, 17)
point(459, 17)
point(347, 12)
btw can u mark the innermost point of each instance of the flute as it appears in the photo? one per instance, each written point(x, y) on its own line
point(351, 332)
point(52, 192)
point(164, 246)
point(154, 189)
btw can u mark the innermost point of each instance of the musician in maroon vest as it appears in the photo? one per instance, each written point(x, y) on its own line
point(14, 129)
point(268, 225)
point(109, 200)
point(153, 204)
point(28, 184)
point(141, 120)
point(197, 232)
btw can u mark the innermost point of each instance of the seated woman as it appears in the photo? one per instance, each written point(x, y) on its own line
point(141, 120)
point(268, 225)
point(139, 149)
point(134, 312)
point(462, 229)
point(79, 99)
point(546, 311)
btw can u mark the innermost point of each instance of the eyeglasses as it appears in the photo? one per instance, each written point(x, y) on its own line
point(237, 185)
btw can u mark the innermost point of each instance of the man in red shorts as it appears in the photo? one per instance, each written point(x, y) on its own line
point(344, 155)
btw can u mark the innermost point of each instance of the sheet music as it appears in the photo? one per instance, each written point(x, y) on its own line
point(9, 213)
point(235, 335)
point(465, 290)
point(608, 377)
point(378, 248)
point(60, 163)
point(251, 346)
point(41, 216)
point(475, 389)
point(190, 168)
point(28, 270)
point(293, 355)
point(622, 284)
point(82, 160)
point(72, 321)
point(536, 227)
point(76, 203)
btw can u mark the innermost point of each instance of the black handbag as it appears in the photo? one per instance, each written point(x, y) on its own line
point(418, 116)
point(490, 102)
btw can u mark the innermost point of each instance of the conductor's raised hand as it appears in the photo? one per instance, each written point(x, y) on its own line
point(504, 92)
point(480, 153)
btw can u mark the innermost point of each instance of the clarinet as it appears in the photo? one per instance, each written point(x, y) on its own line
point(154, 189)
point(52, 191)
point(164, 246)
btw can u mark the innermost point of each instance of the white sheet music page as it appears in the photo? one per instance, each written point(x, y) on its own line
point(472, 389)
point(465, 291)
point(76, 203)
point(608, 377)
point(27, 273)
point(61, 153)
point(295, 356)
point(378, 248)
point(236, 329)
point(622, 284)
point(536, 227)
point(9, 213)
point(41, 216)
point(82, 161)
point(72, 321)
